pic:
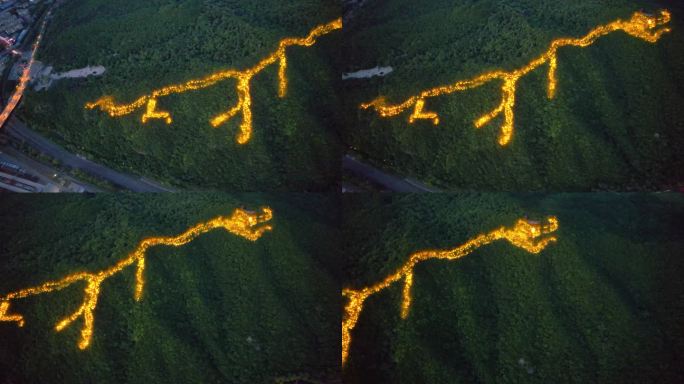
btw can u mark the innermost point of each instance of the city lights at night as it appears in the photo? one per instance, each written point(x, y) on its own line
point(25, 77)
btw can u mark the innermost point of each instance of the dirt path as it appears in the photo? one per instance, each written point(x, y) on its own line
point(367, 73)
point(97, 70)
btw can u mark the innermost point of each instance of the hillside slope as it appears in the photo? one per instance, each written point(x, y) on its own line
point(616, 122)
point(602, 305)
point(218, 309)
point(147, 45)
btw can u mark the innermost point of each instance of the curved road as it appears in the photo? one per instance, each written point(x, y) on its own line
point(391, 182)
point(17, 129)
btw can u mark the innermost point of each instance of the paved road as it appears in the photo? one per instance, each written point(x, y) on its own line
point(45, 173)
point(17, 129)
point(391, 182)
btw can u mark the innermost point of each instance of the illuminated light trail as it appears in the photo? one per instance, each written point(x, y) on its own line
point(641, 26)
point(524, 234)
point(243, 78)
point(24, 79)
point(241, 223)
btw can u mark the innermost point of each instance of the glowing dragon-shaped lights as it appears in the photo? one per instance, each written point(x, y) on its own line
point(243, 79)
point(531, 236)
point(246, 224)
point(646, 27)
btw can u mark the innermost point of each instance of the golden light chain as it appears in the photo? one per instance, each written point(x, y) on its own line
point(243, 78)
point(641, 25)
point(524, 234)
point(241, 223)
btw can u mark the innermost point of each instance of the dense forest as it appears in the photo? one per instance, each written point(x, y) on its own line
point(218, 309)
point(602, 305)
point(616, 121)
point(145, 45)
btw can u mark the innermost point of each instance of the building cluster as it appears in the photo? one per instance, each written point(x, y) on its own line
point(15, 19)
point(14, 178)
point(18, 175)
